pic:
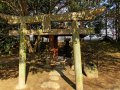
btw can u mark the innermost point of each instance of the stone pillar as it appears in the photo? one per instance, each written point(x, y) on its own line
point(77, 56)
point(22, 57)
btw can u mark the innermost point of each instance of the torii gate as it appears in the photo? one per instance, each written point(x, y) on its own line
point(46, 30)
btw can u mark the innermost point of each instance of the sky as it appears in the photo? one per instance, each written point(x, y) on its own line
point(65, 9)
point(105, 2)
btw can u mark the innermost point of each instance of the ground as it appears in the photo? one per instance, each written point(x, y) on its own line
point(106, 57)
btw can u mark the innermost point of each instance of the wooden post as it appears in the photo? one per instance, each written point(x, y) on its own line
point(77, 57)
point(53, 39)
point(22, 57)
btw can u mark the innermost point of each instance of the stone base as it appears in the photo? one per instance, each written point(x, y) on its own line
point(50, 84)
point(54, 73)
point(54, 78)
point(92, 74)
point(20, 87)
point(91, 71)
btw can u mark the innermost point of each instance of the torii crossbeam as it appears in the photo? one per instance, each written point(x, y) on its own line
point(46, 19)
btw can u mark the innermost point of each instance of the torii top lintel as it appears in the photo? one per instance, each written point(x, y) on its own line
point(82, 15)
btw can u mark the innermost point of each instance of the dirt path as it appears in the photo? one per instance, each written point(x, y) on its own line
point(34, 82)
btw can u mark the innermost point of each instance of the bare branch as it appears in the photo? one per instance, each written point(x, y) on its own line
point(8, 4)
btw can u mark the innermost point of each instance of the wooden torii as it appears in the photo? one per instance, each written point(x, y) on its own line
point(46, 19)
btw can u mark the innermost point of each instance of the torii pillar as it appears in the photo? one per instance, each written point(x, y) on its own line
point(22, 48)
point(22, 57)
point(77, 56)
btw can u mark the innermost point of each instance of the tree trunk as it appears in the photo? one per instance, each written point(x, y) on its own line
point(37, 43)
point(106, 36)
point(30, 49)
